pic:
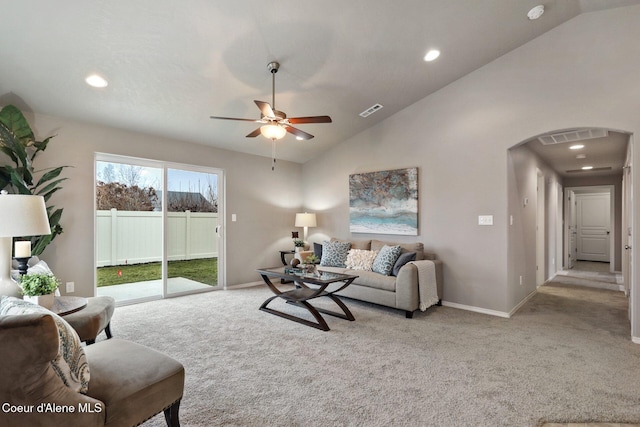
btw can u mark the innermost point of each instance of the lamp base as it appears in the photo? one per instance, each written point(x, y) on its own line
point(23, 264)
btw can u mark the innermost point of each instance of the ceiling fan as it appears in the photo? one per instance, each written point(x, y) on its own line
point(275, 124)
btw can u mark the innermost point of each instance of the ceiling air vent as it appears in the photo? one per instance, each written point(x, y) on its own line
point(369, 111)
point(573, 136)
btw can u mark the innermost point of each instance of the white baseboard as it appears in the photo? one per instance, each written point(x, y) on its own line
point(244, 285)
point(635, 340)
point(476, 309)
point(523, 302)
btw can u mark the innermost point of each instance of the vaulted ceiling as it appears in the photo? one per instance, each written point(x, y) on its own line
point(170, 65)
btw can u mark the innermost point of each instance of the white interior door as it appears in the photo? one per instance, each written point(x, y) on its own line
point(572, 229)
point(593, 213)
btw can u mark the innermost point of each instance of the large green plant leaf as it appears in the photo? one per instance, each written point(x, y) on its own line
point(18, 143)
point(48, 176)
point(13, 119)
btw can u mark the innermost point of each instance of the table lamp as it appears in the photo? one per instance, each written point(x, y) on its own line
point(22, 215)
point(305, 220)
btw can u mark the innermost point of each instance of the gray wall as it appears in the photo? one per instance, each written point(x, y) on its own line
point(265, 202)
point(522, 170)
point(582, 73)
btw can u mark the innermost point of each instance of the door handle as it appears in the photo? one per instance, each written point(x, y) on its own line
point(627, 247)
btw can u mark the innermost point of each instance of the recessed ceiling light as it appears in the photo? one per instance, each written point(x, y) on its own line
point(96, 81)
point(536, 12)
point(432, 55)
point(576, 147)
point(581, 156)
point(587, 168)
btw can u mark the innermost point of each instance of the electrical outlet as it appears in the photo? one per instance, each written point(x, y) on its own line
point(71, 287)
point(485, 220)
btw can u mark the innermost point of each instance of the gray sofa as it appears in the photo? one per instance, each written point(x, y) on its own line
point(401, 291)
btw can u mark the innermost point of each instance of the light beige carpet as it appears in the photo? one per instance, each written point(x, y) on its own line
point(566, 356)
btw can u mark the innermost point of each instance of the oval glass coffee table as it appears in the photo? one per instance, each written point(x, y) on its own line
point(307, 288)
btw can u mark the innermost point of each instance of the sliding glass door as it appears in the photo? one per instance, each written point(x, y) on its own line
point(192, 230)
point(157, 229)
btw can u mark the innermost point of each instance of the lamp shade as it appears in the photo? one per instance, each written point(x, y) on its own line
point(305, 220)
point(273, 132)
point(23, 215)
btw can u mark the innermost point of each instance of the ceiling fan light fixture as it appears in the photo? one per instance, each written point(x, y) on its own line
point(273, 132)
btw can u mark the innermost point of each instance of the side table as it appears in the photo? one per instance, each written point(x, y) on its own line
point(63, 305)
point(283, 255)
point(283, 258)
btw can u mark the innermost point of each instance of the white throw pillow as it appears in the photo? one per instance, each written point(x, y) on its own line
point(360, 259)
point(70, 363)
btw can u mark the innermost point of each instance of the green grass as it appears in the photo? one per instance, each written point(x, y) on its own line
point(201, 270)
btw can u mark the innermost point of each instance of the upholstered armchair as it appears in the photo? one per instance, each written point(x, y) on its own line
point(128, 383)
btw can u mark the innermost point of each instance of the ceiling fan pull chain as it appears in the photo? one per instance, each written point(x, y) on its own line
point(273, 155)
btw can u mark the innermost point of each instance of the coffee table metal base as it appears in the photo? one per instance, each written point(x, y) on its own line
point(300, 297)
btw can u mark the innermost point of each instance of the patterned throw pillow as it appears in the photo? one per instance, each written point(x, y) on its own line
point(71, 363)
point(359, 259)
point(334, 254)
point(386, 259)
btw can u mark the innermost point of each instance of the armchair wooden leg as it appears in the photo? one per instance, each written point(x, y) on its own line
point(171, 415)
point(107, 330)
point(408, 314)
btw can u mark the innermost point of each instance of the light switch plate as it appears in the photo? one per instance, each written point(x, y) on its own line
point(233, 218)
point(485, 220)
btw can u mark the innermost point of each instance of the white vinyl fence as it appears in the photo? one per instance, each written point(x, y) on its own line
point(128, 237)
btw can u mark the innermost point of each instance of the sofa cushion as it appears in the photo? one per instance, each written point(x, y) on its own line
point(386, 259)
point(417, 247)
point(358, 259)
point(317, 250)
point(70, 363)
point(356, 244)
point(334, 254)
point(373, 280)
point(402, 260)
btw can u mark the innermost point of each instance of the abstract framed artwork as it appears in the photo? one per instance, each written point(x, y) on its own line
point(384, 202)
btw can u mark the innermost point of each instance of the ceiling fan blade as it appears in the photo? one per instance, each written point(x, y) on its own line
point(265, 108)
point(254, 133)
point(297, 132)
point(314, 119)
point(235, 118)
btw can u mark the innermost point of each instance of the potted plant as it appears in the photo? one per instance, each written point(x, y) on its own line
point(299, 244)
point(18, 175)
point(310, 265)
point(39, 288)
point(312, 259)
